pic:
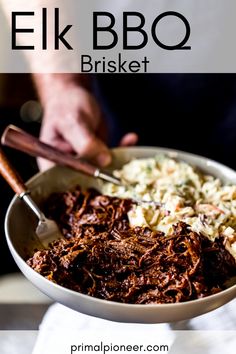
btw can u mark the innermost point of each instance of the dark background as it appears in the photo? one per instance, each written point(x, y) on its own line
point(15, 90)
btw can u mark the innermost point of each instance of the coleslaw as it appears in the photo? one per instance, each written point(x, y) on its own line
point(184, 193)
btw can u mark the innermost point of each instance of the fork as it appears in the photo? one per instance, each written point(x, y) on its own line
point(46, 230)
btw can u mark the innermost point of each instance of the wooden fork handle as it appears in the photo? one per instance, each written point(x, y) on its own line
point(11, 176)
point(20, 140)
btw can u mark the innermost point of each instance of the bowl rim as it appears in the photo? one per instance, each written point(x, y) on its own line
point(104, 301)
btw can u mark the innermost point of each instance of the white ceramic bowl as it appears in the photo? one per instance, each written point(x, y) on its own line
point(20, 226)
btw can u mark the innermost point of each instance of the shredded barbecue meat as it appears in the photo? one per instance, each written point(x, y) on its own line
point(104, 257)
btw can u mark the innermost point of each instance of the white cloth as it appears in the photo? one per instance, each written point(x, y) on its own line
point(211, 333)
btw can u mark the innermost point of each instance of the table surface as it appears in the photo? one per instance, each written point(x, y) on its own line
point(22, 308)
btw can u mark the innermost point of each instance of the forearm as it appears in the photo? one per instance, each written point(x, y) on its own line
point(45, 64)
point(73, 119)
point(49, 85)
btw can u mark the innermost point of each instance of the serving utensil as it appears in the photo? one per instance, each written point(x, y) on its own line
point(47, 230)
point(18, 139)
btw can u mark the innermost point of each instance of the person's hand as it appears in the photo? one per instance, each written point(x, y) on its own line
point(73, 123)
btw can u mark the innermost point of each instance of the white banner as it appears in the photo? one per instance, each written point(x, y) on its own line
point(118, 36)
point(134, 341)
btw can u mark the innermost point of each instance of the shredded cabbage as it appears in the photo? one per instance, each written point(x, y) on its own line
point(186, 194)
